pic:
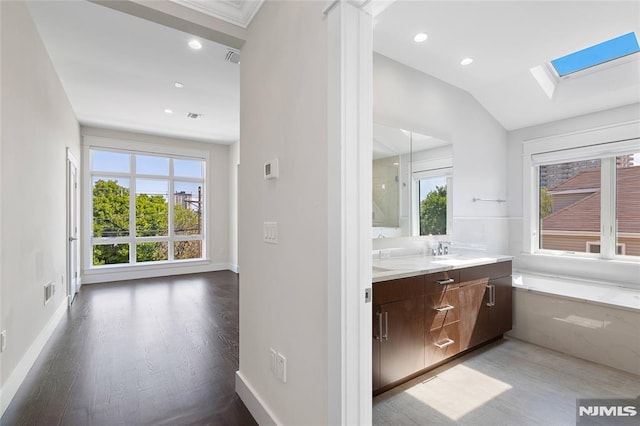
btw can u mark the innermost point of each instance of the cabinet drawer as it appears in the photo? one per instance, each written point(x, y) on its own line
point(442, 308)
point(491, 271)
point(441, 343)
point(441, 281)
point(400, 289)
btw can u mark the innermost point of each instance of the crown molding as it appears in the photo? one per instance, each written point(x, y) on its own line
point(237, 12)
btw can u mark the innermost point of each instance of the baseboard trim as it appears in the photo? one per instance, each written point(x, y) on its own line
point(233, 267)
point(257, 407)
point(16, 378)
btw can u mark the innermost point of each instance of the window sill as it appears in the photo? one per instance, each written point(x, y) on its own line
point(106, 269)
point(610, 272)
point(587, 291)
point(150, 270)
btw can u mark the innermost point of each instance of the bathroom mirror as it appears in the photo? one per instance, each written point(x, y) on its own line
point(391, 157)
point(412, 183)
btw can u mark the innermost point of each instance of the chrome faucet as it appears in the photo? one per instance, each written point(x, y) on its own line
point(443, 247)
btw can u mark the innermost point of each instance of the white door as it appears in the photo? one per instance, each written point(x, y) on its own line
point(73, 210)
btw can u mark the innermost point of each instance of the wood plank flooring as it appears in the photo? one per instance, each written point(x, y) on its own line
point(160, 351)
point(508, 382)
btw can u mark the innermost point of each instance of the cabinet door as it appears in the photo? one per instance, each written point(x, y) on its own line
point(402, 339)
point(474, 316)
point(375, 352)
point(501, 311)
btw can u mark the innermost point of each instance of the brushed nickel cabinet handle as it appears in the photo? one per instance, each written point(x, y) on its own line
point(444, 308)
point(445, 282)
point(445, 344)
point(379, 315)
point(385, 336)
point(492, 295)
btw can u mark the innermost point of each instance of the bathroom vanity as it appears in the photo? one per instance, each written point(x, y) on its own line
point(428, 309)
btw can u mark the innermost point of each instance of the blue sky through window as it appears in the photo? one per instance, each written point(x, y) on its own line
point(595, 55)
point(429, 184)
point(117, 162)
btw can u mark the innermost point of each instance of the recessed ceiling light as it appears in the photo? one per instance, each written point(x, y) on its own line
point(195, 44)
point(168, 111)
point(420, 37)
point(178, 85)
point(466, 61)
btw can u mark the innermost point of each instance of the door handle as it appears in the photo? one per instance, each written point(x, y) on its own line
point(445, 282)
point(71, 239)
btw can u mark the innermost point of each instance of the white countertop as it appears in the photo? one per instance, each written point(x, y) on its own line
point(392, 268)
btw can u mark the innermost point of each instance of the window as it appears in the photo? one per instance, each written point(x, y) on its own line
point(145, 208)
point(590, 205)
point(432, 207)
point(569, 205)
point(594, 247)
point(595, 55)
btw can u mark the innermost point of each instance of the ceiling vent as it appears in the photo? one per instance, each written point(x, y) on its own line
point(232, 56)
point(193, 115)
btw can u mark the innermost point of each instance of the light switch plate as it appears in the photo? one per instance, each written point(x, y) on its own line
point(270, 232)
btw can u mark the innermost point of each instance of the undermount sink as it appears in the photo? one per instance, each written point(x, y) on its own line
point(458, 260)
point(446, 256)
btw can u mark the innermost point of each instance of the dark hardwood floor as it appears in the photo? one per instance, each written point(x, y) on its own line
point(160, 351)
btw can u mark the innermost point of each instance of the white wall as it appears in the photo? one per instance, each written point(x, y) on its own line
point(586, 268)
point(283, 287)
point(409, 99)
point(38, 125)
point(217, 216)
point(234, 163)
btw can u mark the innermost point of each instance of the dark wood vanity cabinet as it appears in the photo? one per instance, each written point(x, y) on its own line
point(485, 303)
point(398, 330)
point(421, 321)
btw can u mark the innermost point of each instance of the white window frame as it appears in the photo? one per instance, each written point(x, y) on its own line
point(604, 143)
point(146, 149)
point(620, 246)
point(444, 169)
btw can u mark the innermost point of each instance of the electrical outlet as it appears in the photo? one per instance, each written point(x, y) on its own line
point(272, 360)
point(3, 340)
point(281, 368)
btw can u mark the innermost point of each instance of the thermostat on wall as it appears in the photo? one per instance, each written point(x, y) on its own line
point(271, 169)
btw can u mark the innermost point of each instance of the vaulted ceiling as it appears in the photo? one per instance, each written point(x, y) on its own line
point(508, 38)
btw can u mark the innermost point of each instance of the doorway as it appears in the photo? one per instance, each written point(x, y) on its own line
point(73, 213)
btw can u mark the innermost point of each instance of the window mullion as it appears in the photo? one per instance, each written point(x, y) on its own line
point(608, 207)
point(132, 210)
point(171, 200)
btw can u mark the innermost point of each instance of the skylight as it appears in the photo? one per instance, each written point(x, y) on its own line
point(595, 55)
